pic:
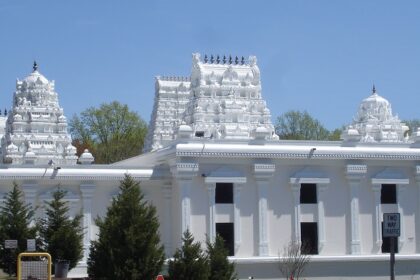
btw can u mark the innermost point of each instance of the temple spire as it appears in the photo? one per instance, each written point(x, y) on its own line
point(35, 67)
point(373, 89)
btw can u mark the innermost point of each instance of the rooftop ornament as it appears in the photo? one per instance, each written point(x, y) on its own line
point(35, 67)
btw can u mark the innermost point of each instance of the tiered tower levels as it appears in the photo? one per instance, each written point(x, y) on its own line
point(222, 101)
point(36, 128)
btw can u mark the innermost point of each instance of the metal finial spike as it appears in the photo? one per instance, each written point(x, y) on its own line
point(236, 60)
point(211, 59)
point(373, 89)
point(217, 59)
point(242, 60)
point(205, 59)
point(230, 59)
point(35, 67)
point(224, 59)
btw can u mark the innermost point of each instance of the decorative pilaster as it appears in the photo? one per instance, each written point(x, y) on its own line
point(321, 217)
point(184, 172)
point(167, 224)
point(263, 173)
point(211, 188)
point(401, 239)
point(417, 221)
point(185, 197)
point(237, 215)
point(354, 174)
point(296, 212)
point(87, 191)
point(378, 214)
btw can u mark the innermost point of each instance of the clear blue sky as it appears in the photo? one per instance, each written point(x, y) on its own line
point(319, 56)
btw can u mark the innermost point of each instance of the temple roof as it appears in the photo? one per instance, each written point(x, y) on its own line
point(375, 122)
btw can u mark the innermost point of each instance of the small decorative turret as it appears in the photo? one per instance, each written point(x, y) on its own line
point(375, 122)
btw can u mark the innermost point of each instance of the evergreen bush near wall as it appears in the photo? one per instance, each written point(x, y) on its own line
point(61, 236)
point(15, 224)
point(220, 266)
point(189, 262)
point(128, 244)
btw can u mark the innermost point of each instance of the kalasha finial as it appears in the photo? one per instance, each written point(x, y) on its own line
point(373, 89)
point(35, 67)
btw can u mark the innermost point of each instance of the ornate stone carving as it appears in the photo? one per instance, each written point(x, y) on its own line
point(36, 129)
point(222, 101)
point(375, 123)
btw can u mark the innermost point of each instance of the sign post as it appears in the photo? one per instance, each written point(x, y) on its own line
point(391, 229)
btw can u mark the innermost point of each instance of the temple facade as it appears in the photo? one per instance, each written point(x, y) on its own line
point(213, 164)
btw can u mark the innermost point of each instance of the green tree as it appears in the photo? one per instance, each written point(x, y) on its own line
point(61, 236)
point(412, 124)
point(189, 262)
point(220, 267)
point(335, 134)
point(15, 223)
point(112, 132)
point(128, 244)
point(298, 125)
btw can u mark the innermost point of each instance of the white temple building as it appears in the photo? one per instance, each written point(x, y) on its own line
point(213, 164)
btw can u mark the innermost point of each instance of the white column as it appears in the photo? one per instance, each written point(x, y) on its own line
point(401, 239)
point(296, 213)
point(378, 214)
point(87, 191)
point(237, 216)
point(211, 188)
point(167, 221)
point(355, 247)
point(185, 197)
point(321, 217)
point(262, 218)
point(417, 221)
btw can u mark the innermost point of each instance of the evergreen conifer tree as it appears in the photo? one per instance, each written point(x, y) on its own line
point(189, 262)
point(128, 244)
point(220, 267)
point(15, 219)
point(61, 236)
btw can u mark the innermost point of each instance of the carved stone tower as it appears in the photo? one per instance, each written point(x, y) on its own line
point(36, 128)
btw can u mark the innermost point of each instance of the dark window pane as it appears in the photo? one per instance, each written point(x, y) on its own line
point(308, 193)
point(309, 238)
point(224, 193)
point(225, 230)
point(389, 194)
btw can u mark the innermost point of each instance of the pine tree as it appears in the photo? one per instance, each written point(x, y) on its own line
point(220, 267)
point(15, 219)
point(189, 262)
point(61, 236)
point(128, 244)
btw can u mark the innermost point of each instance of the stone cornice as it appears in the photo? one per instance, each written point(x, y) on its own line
point(73, 174)
point(284, 150)
point(263, 170)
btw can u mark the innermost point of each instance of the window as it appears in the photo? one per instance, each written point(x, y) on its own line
point(389, 194)
point(309, 238)
point(225, 230)
point(308, 193)
point(386, 243)
point(224, 193)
